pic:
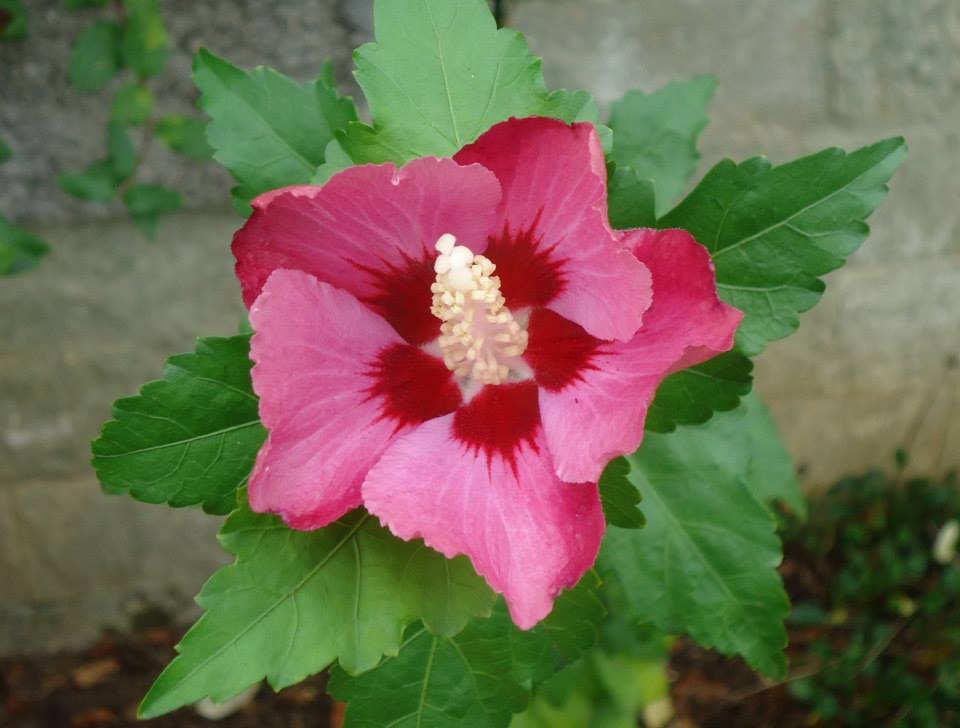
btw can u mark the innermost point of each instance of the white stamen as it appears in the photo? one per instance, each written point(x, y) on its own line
point(445, 243)
point(461, 257)
point(479, 338)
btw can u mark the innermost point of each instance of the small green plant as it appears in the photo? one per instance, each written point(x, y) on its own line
point(13, 20)
point(20, 250)
point(131, 44)
point(877, 597)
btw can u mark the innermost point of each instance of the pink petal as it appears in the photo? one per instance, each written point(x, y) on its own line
point(481, 482)
point(370, 231)
point(336, 385)
point(594, 394)
point(555, 247)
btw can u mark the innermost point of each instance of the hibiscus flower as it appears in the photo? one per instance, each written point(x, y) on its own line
point(461, 345)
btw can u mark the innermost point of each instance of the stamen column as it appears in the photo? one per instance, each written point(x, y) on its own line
point(479, 337)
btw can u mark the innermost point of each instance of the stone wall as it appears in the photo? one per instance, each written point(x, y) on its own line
point(97, 319)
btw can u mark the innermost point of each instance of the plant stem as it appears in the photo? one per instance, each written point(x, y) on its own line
point(500, 12)
point(145, 141)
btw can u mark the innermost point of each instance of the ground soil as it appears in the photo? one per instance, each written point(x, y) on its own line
point(100, 687)
point(711, 691)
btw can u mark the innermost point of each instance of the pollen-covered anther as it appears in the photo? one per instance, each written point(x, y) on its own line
point(479, 338)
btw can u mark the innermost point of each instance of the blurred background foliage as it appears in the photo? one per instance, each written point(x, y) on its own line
point(122, 50)
point(875, 581)
point(129, 41)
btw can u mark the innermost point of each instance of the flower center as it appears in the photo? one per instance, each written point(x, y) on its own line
point(479, 337)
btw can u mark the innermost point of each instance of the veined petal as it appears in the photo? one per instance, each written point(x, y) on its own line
point(481, 482)
point(337, 384)
point(370, 231)
point(594, 394)
point(685, 286)
point(553, 245)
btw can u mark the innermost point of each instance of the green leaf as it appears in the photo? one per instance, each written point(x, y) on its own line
point(600, 691)
point(632, 682)
point(478, 677)
point(691, 396)
point(13, 20)
point(706, 563)
point(577, 106)
point(95, 56)
point(144, 43)
point(338, 111)
point(20, 250)
point(97, 183)
point(5, 152)
point(132, 104)
point(630, 199)
point(572, 698)
point(656, 134)
point(241, 198)
point(147, 199)
point(77, 4)
point(185, 135)
point(146, 203)
point(437, 682)
point(123, 155)
point(447, 592)
point(267, 129)
point(571, 106)
point(189, 438)
point(294, 601)
point(773, 231)
point(619, 496)
point(336, 160)
point(770, 475)
point(570, 630)
point(621, 634)
point(439, 75)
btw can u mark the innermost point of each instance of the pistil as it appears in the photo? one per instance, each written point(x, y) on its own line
point(479, 337)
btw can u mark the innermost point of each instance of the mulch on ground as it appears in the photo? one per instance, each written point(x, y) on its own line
point(101, 686)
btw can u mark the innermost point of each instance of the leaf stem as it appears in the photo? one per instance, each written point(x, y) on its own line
point(500, 12)
point(145, 141)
